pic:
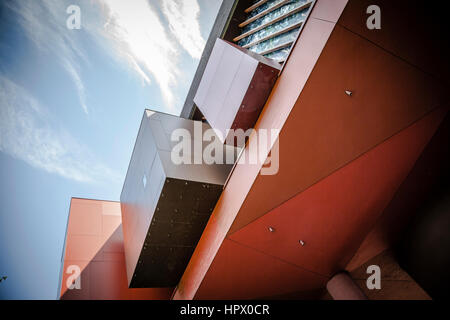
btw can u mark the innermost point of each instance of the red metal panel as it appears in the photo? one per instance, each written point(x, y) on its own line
point(325, 131)
point(88, 218)
point(333, 216)
point(95, 244)
point(256, 96)
point(327, 128)
point(421, 184)
point(239, 272)
point(286, 91)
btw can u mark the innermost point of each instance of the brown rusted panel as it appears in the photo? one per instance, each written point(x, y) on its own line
point(259, 89)
point(328, 128)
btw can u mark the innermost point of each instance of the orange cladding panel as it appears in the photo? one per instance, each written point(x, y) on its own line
point(239, 272)
point(423, 182)
point(328, 128)
point(296, 71)
point(94, 244)
point(333, 216)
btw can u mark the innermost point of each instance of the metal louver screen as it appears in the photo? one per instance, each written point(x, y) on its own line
point(272, 26)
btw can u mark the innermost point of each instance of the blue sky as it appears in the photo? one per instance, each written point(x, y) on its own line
point(70, 107)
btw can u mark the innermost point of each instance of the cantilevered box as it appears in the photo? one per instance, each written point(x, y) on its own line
point(166, 204)
point(234, 88)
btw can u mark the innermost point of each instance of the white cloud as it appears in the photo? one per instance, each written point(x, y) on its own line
point(134, 32)
point(182, 16)
point(71, 69)
point(26, 133)
point(138, 35)
point(45, 24)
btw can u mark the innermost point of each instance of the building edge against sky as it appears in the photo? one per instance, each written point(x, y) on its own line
point(378, 135)
point(95, 251)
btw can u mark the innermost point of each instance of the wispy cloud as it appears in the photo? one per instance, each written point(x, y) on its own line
point(26, 133)
point(152, 46)
point(182, 16)
point(139, 36)
point(75, 75)
point(45, 24)
point(148, 35)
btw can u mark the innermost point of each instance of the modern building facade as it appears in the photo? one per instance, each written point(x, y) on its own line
point(360, 158)
point(94, 260)
point(166, 202)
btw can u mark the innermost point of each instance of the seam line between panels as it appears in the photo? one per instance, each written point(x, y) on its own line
point(391, 53)
point(279, 259)
point(337, 169)
point(397, 190)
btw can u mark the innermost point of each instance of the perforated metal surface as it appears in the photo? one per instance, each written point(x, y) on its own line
point(182, 212)
point(164, 217)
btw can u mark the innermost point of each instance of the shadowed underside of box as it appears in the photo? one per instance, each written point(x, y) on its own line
point(166, 204)
point(182, 212)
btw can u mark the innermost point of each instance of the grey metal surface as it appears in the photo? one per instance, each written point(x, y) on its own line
point(164, 217)
point(234, 87)
point(225, 12)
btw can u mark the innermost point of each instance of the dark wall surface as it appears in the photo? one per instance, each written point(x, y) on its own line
point(423, 249)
